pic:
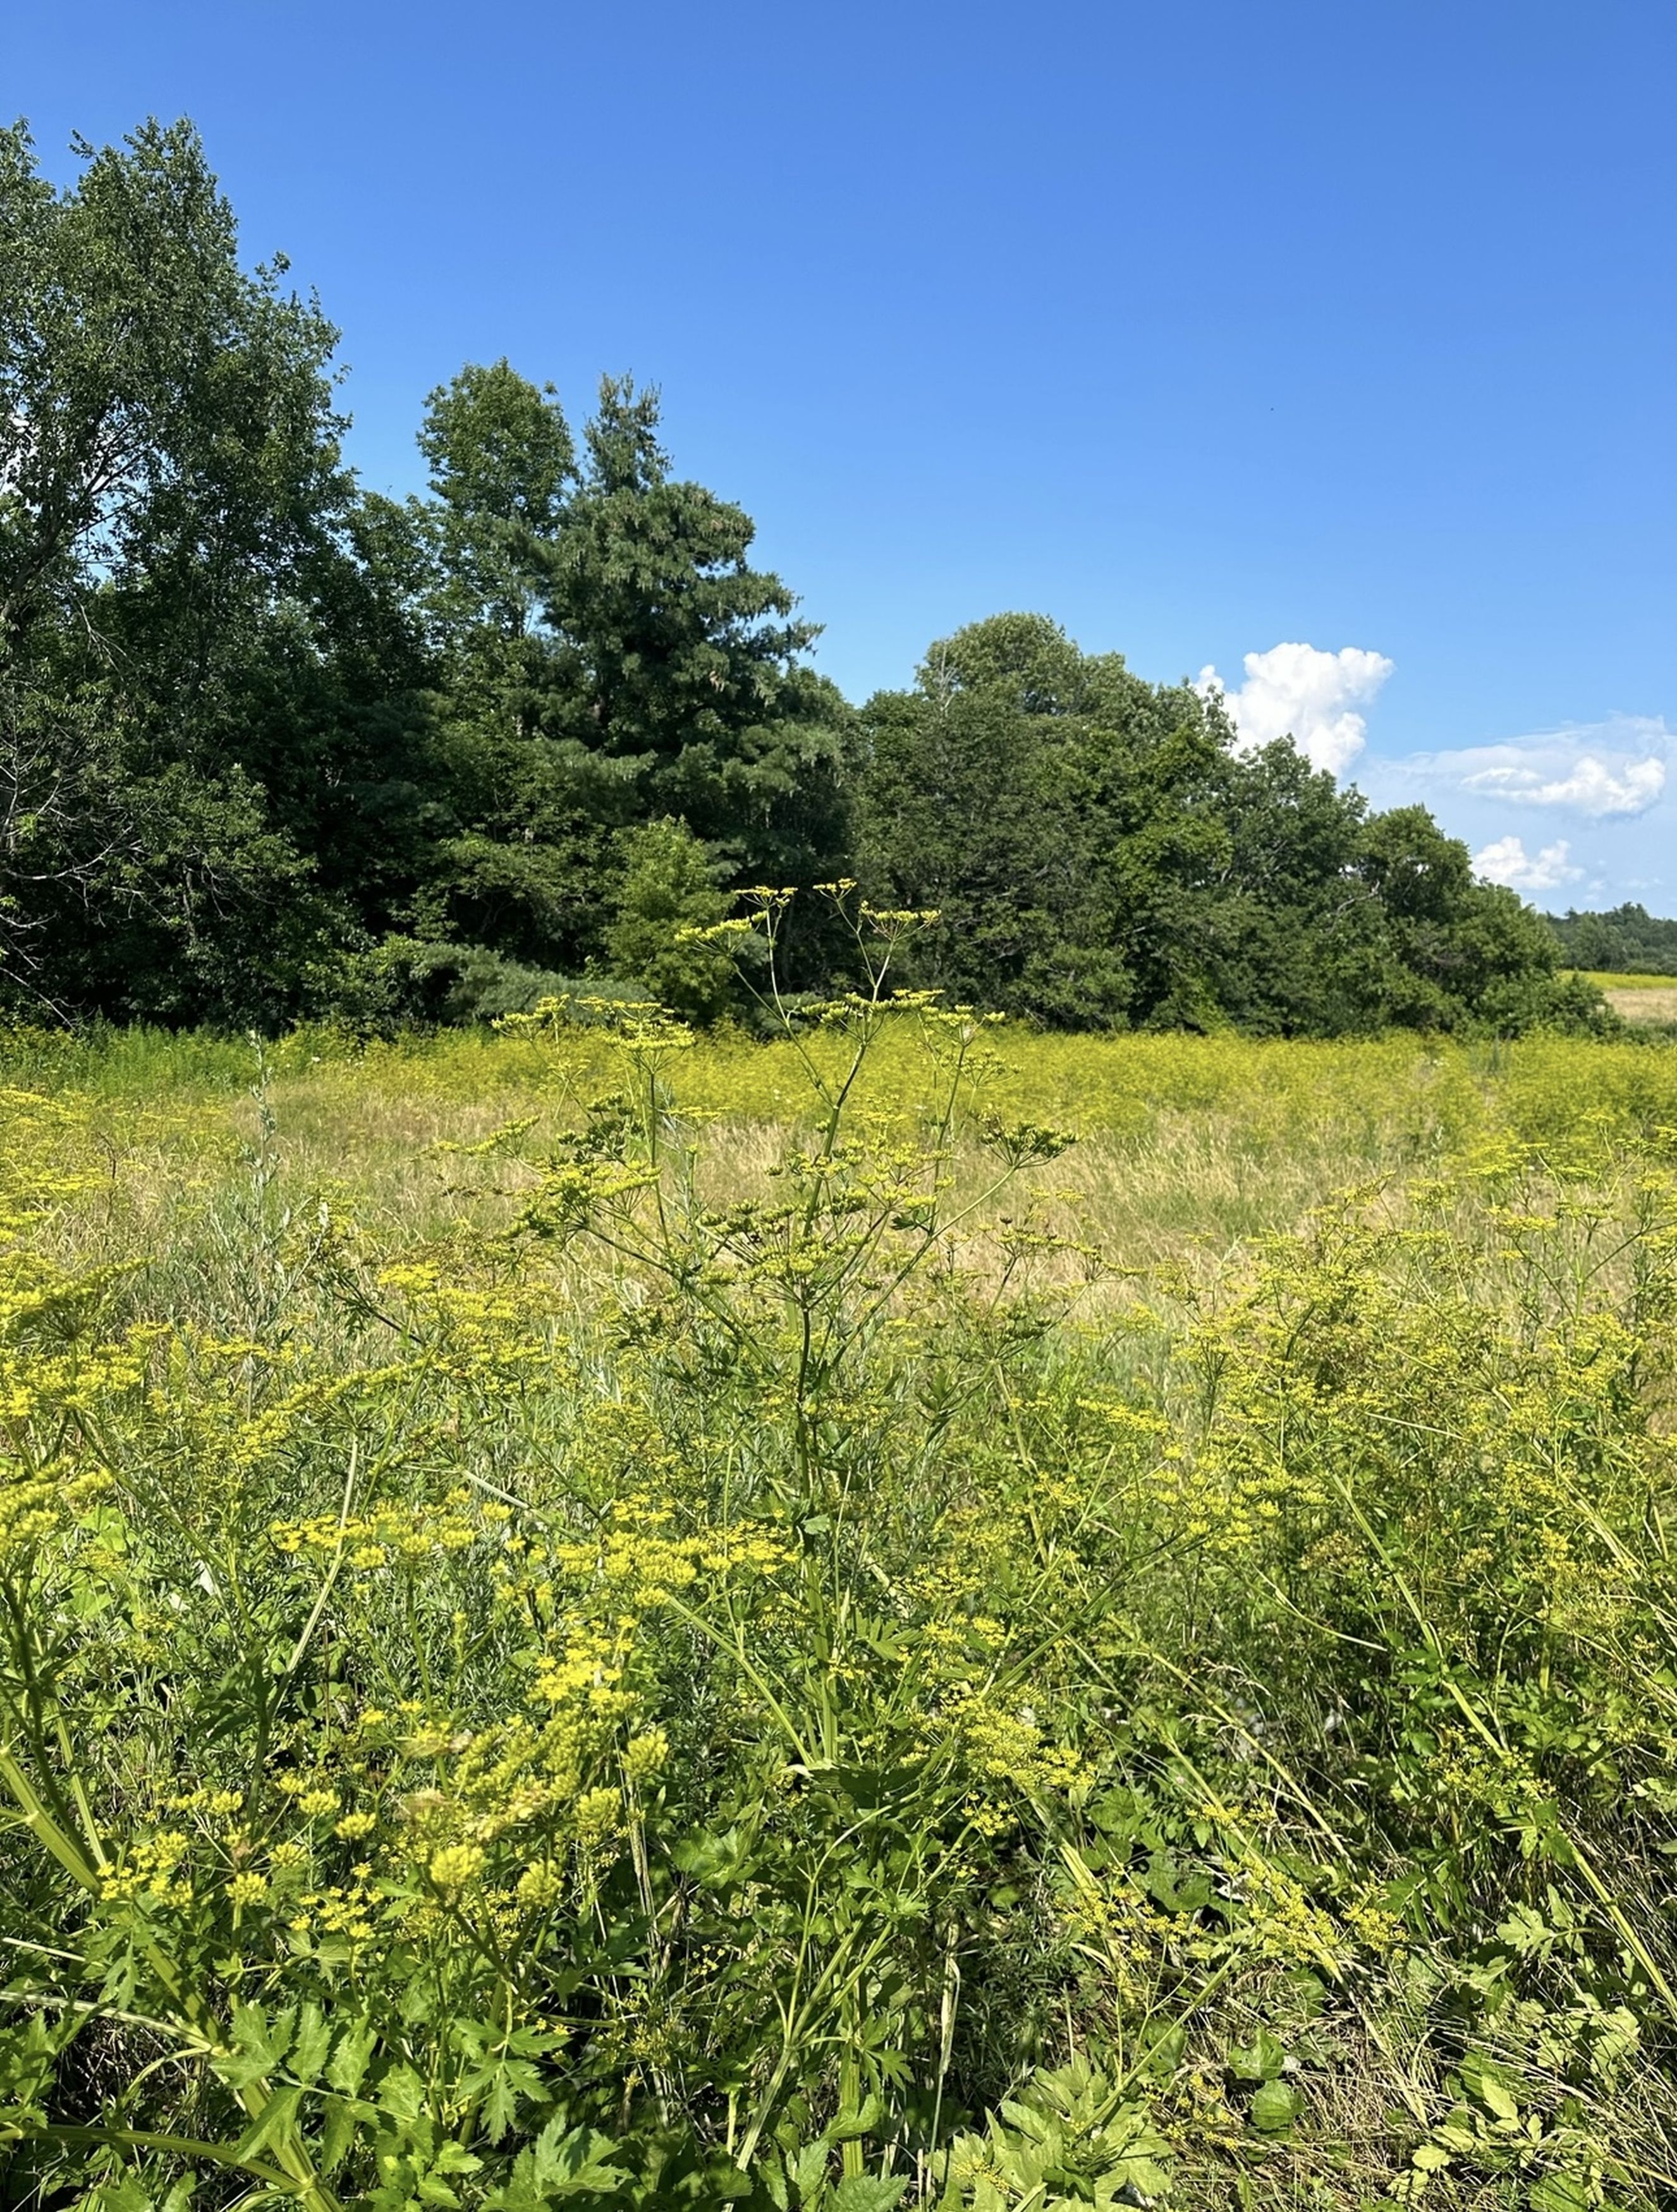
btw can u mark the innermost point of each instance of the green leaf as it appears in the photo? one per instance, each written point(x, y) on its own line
point(1260, 2060)
point(1162, 2052)
point(314, 2039)
point(347, 2068)
point(1559, 2192)
point(452, 2157)
point(1483, 2080)
point(809, 2172)
point(862, 2192)
point(271, 2122)
point(255, 2049)
point(726, 2184)
point(25, 2068)
point(573, 2162)
point(504, 2089)
point(715, 1862)
point(1498, 2099)
point(126, 2194)
point(270, 2039)
point(343, 2116)
point(402, 2094)
point(1275, 2108)
point(860, 2120)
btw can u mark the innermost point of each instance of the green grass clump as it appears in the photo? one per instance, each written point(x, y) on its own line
point(592, 1617)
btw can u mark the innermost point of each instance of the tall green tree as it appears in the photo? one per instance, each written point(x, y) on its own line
point(684, 664)
point(197, 663)
point(1104, 854)
point(610, 658)
point(521, 862)
point(1059, 812)
point(666, 898)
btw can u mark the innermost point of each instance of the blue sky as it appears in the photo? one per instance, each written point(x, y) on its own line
point(1212, 330)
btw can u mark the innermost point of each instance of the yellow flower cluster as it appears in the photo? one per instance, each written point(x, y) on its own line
point(394, 1536)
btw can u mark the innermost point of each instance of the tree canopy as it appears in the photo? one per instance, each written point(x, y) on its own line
point(1626, 939)
point(274, 746)
point(1103, 853)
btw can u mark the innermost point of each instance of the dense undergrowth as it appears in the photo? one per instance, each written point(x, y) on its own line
point(753, 1630)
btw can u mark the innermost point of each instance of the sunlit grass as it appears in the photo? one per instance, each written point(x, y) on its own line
point(814, 1656)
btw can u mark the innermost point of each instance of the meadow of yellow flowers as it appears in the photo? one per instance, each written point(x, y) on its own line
point(909, 1615)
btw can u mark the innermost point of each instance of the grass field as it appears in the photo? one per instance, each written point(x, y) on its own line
point(910, 1615)
point(1636, 997)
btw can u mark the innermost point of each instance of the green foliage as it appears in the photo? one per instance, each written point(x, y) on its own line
point(611, 660)
point(665, 905)
point(273, 747)
point(1625, 940)
point(1069, 2137)
point(1104, 856)
point(202, 684)
point(255, 722)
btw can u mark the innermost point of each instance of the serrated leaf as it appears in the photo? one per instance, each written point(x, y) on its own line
point(311, 2044)
point(124, 2195)
point(256, 2036)
point(862, 2192)
point(716, 1864)
point(502, 2093)
point(251, 2056)
point(346, 2069)
point(571, 2162)
point(453, 2157)
point(1275, 2108)
point(342, 2119)
point(402, 2094)
point(270, 2122)
point(726, 2184)
point(851, 2126)
point(809, 2170)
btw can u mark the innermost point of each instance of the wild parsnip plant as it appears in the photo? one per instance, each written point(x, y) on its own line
point(750, 1628)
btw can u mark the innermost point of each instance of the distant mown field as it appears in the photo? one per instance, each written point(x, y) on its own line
point(1636, 997)
point(915, 1615)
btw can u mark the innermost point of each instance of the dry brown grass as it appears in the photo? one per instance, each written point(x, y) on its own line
point(1644, 1002)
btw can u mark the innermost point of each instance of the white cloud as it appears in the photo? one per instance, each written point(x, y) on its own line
point(1597, 770)
point(1507, 861)
point(1608, 788)
point(1591, 786)
point(1300, 692)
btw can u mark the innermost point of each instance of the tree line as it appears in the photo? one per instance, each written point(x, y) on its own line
point(1624, 940)
point(274, 746)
